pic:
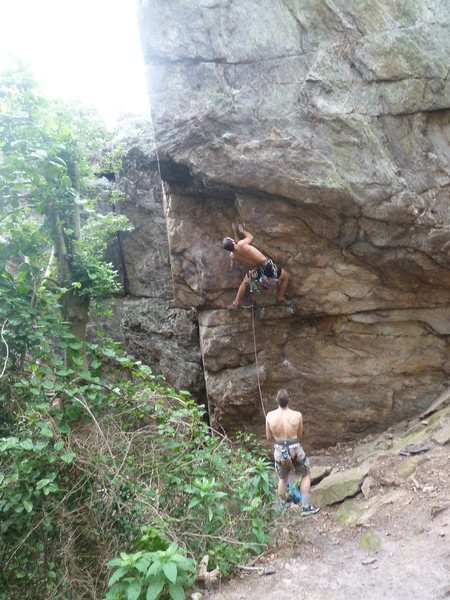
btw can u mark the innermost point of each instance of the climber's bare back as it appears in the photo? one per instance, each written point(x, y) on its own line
point(247, 255)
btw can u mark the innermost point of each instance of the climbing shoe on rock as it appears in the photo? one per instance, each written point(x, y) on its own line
point(309, 509)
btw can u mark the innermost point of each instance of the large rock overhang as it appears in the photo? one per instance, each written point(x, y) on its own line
point(326, 130)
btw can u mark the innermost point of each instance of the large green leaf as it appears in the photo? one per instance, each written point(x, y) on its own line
point(42, 483)
point(143, 563)
point(117, 574)
point(28, 505)
point(176, 592)
point(26, 444)
point(133, 590)
point(170, 571)
point(154, 568)
point(68, 457)
point(155, 588)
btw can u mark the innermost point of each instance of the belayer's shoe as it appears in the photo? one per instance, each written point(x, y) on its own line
point(309, 509)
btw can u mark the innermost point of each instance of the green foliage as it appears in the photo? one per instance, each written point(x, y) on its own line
point(151, 575)
point(105, 458)
point(52, 236)
point(259, 474)
point(98, 457)
point(206, 497)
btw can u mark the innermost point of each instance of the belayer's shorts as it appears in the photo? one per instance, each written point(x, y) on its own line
point(300, 462)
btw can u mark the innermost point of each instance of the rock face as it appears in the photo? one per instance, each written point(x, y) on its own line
point(325, 128)
point(152, 327)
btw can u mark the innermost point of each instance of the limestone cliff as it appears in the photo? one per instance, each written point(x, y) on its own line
point(325, 128)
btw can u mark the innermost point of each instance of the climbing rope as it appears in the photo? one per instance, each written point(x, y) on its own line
point(161, 182)
point(256, 357)
point(253, 302)
point(163, 190)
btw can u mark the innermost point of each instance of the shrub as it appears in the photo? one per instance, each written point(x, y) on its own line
point(120, 463)
point(164, 573)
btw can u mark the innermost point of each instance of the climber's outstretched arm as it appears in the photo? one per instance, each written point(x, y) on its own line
point(248, 239)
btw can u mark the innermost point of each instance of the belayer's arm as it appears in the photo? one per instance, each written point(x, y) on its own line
point(300, 428)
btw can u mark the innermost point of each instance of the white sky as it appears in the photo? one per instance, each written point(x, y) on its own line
point(87, 50)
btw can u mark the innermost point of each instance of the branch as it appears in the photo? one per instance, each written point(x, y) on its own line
point(6, 346)
point(61, 248)
point(87, 409)
point(14, 210)
point(54, 509)
point(37, 285)
point(49, 264)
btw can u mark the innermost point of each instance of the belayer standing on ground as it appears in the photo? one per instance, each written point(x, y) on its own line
point(260, 266)
point(285, 426)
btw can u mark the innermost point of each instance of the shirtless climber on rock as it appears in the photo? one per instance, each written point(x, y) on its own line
point(260, 266)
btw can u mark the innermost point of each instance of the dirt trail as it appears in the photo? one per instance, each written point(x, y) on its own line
point(402, 552)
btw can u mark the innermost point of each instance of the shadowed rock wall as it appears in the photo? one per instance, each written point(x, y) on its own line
point(153, 328)
point(325, 128)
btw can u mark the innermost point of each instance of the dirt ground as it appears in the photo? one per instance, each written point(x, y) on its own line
point(401, 552)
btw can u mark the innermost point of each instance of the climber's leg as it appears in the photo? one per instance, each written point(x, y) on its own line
point(283, 281)
point(240, 293)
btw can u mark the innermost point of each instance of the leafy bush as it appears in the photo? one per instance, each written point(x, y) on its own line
point(99, 459)
point(118, 465)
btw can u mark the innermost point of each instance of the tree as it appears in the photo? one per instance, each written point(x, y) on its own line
point(49, 217)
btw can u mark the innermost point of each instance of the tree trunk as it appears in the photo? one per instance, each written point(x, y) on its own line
point(76, 312)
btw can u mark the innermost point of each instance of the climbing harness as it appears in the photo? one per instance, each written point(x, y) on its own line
point(257, 281)
point(259, 277)
point(285, 458)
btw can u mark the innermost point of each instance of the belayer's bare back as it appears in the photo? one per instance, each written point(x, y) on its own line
point(285, 424)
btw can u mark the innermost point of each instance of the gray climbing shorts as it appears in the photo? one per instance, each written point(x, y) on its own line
point(299, 461)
